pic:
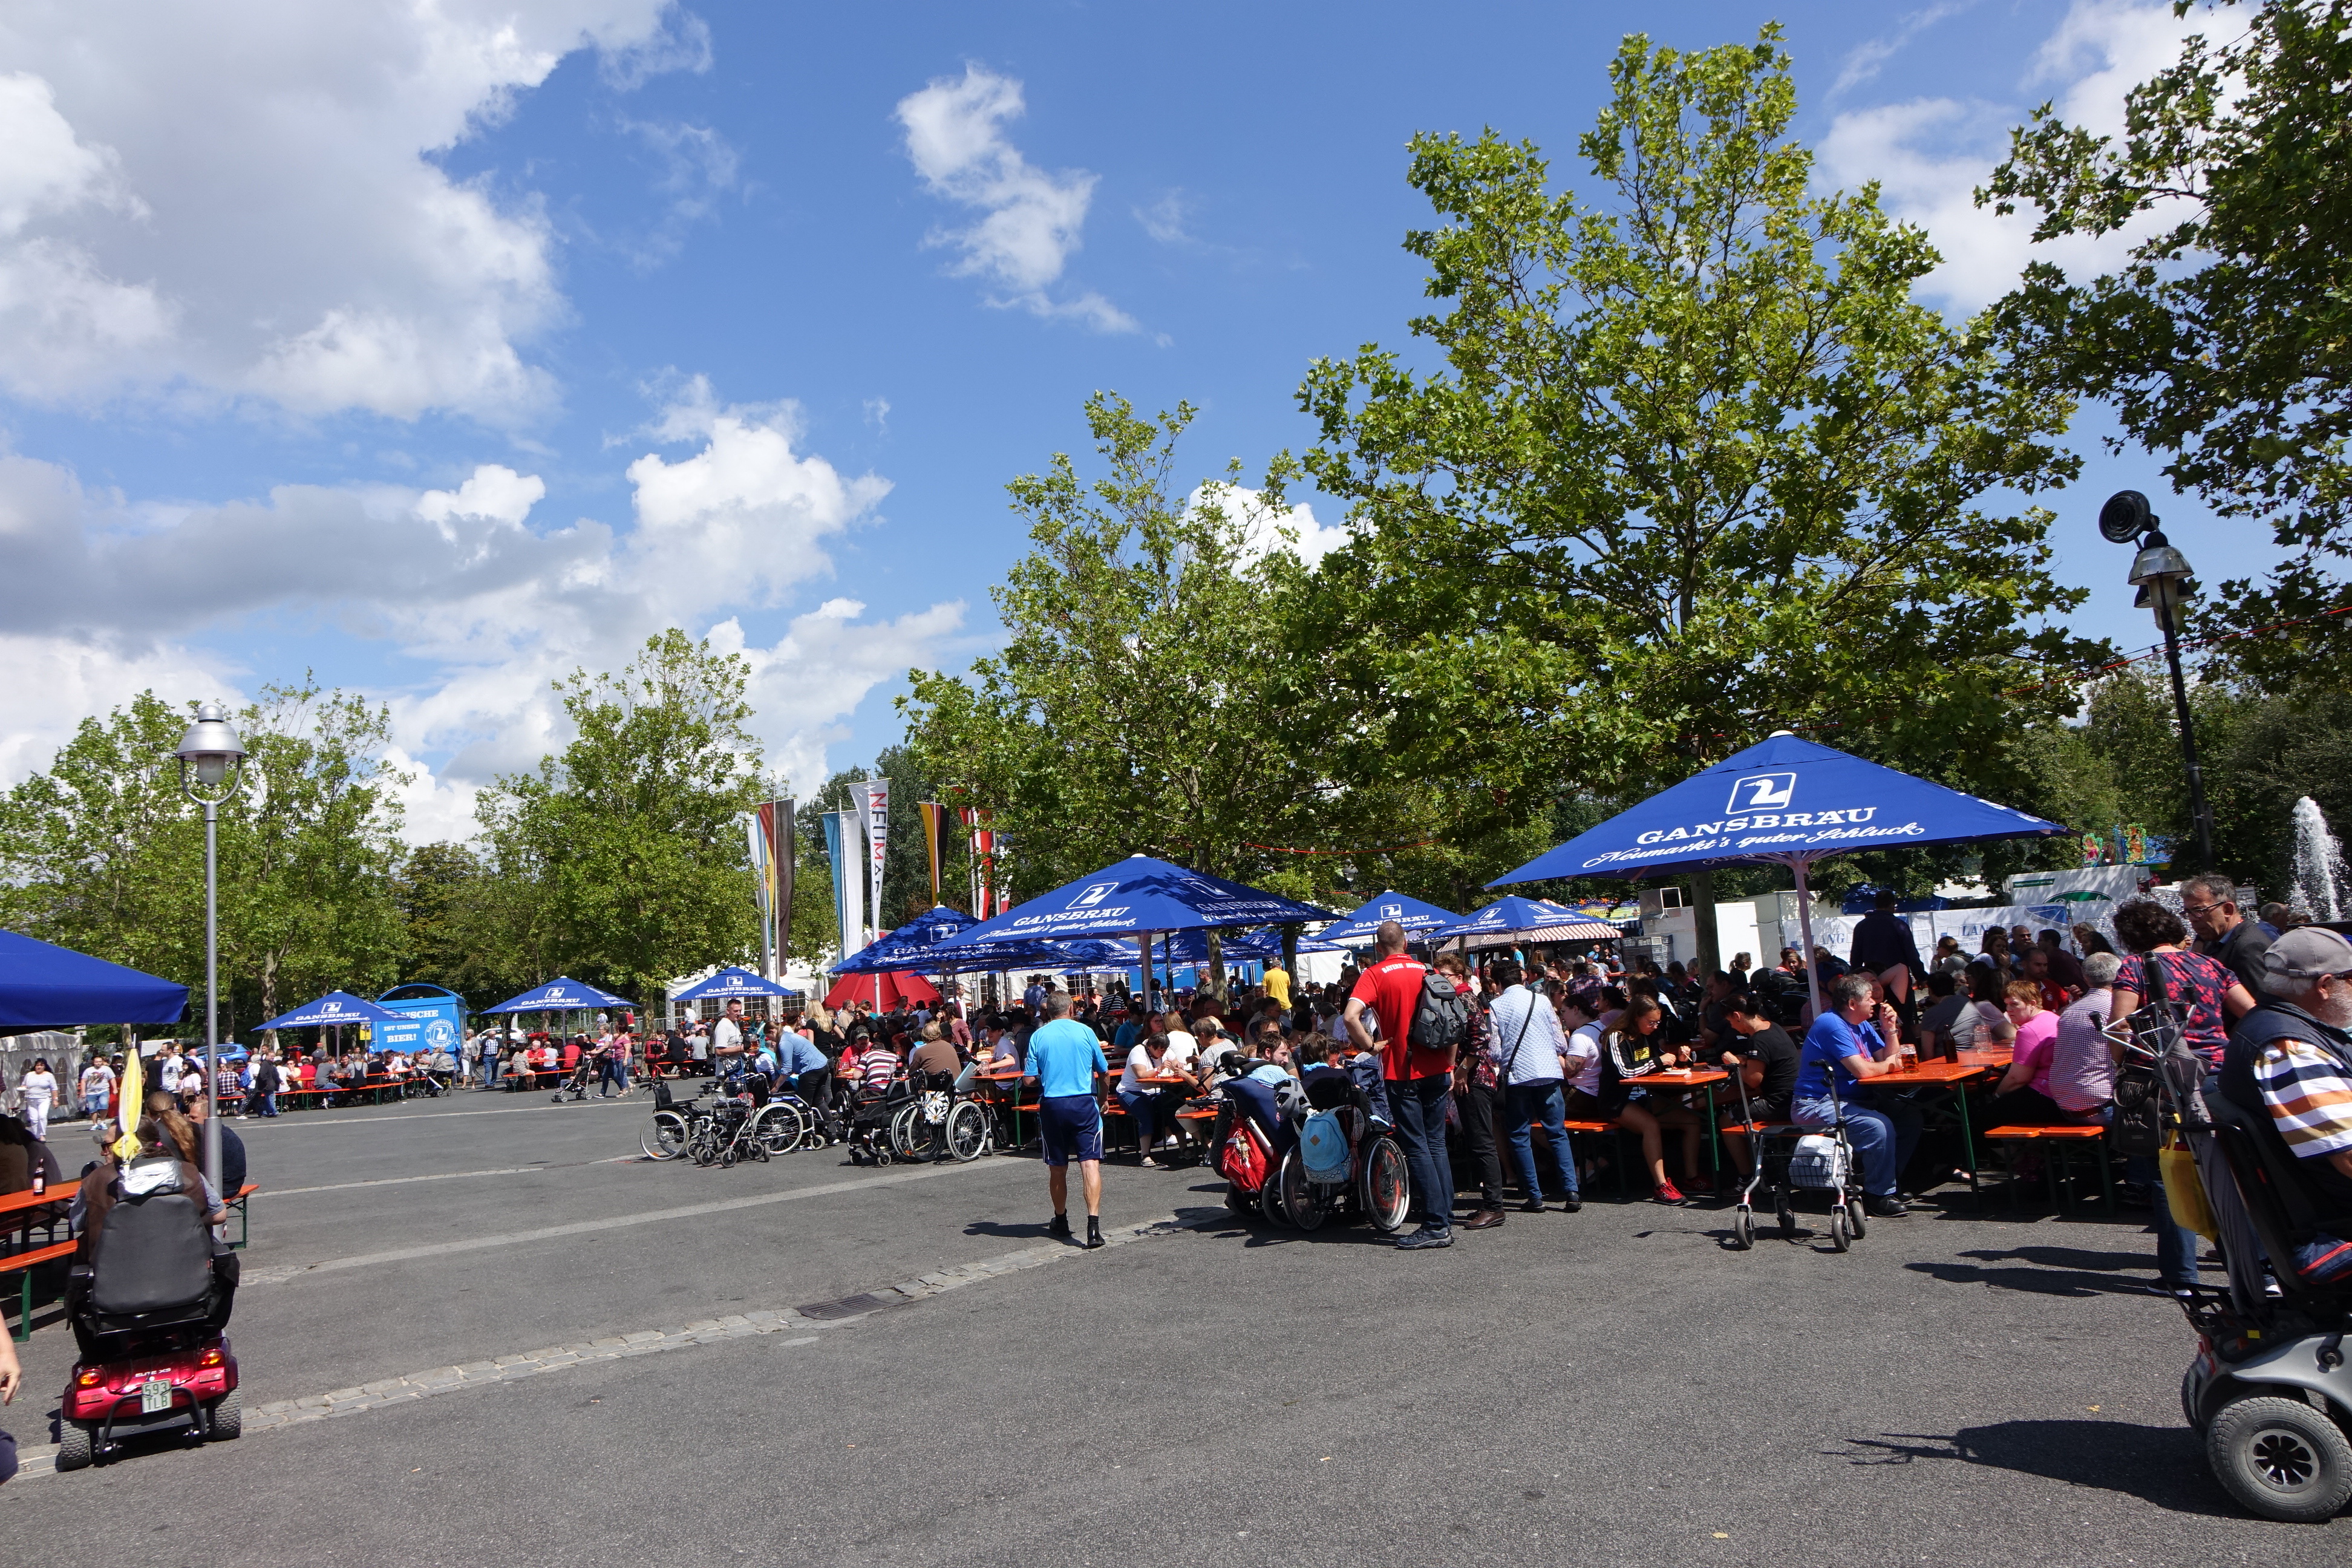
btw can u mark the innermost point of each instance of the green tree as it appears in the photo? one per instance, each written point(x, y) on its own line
point(1146, 700)
point(104, 852)
point(623, 861)
point(2224, 340)
point(1696, 468)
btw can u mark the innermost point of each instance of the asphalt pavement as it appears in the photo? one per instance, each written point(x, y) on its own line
point(1613, 1386)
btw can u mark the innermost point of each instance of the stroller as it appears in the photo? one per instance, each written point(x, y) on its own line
point(1799, 1157)
point(147, 1312)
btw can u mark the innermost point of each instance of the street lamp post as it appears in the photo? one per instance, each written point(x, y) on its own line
point(210, 757)
point(2162, 575)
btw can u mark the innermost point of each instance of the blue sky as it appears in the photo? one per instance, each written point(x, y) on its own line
point(441, 349)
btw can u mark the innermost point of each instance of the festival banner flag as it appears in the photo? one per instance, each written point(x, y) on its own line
point(134, 1096)
point(935, 840)
point(845, 856)
point(781, 849)
point(876, 794)
point(763, 887)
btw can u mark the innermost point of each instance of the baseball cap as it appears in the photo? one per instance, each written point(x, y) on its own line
point(2306, 953)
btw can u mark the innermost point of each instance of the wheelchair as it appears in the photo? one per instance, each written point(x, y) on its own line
point(1377, 1187)
point(875, 1136)
point(148, 1314)
point(938, 1123)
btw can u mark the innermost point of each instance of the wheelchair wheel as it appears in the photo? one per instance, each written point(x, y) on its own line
point(909, 1134)
point(1303, 1199)
point(1385, 1187)
point(1743, 1230)
point(967, 1131)
point(1841, 1237)
point(228, 1423)
point(2278, 1456)
point(666, 1138)
point(1269, 1199)
point(778, 1129)
point(77, 1445)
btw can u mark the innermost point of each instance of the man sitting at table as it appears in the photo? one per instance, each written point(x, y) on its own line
point(1841, 1049)
point(1767, 1061)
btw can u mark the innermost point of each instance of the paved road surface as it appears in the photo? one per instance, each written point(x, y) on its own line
point(1608, 1387)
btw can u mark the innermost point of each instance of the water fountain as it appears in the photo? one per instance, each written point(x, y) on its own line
point(2319, 874)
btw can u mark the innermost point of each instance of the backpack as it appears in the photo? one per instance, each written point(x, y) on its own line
point(1323, 1148)
point(1441, 1019)
point(1241, 1155)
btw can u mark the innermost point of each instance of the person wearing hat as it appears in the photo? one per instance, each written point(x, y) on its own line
point(2289, 1067)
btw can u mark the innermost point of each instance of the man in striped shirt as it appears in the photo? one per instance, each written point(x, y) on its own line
point(2292, 1058)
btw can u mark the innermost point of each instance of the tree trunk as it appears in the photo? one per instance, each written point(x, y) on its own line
point(1216, 986)
point(1710, 946)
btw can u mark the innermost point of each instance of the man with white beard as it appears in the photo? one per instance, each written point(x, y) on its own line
point(2290, 1061)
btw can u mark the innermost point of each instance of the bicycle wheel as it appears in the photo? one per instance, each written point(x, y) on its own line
point(968, 1131)
point(779, 1129)
point(1306, 1201)
point(909, 1134)
point(666, 1138)
point(1386, 1186)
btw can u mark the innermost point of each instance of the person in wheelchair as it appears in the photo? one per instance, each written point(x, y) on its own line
point(146, 1241)
point(2288, 1072)
point(1258, 1090)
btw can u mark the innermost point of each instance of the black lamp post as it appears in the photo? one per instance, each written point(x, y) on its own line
point(2163, 577)
point(210, 755)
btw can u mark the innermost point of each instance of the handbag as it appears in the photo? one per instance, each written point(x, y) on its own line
point(2184, 1190)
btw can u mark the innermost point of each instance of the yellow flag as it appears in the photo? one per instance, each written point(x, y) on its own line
point(135, 1095)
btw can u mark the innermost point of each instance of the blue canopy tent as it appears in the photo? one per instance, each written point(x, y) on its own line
point(733, 984)
point(1137, 897)
point(1418, 918)
point(1512, 919)
point(45, 986)
point(1783, 801)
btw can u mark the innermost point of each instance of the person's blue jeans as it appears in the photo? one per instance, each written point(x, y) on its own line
point(490, 1072)
point(1882, 1136)
point(269, 1103)
point(1143, 1110)
point(1419, 1104)
point(1526, 1104)
point(2177, 1245)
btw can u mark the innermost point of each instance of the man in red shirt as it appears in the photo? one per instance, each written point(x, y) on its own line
point(1419, 1081)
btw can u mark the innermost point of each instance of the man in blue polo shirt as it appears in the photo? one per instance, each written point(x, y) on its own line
point(1066, 1068)
point(1843, 1050)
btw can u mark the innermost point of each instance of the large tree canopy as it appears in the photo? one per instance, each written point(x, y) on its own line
point(1695, 466)
point(2224, 341)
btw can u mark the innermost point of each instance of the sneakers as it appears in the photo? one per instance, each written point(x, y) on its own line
point(1423, 1238)
point(1885, 1207)
point(1667, 1192)
point(1485, 1220)
point(1060, 1227)
point(1094, 1232)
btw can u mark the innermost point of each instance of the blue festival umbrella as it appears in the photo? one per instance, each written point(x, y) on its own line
point(731, 983)
point(1419, 921)
point(908, 946)
point(44, 986)
point(1783, 801)
point(1137, 898)
point(334, 1010)
point(1512, 918)
point(559, 995)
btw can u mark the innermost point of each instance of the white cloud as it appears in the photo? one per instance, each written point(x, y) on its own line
point(1293, 529)
point(1863, 60)
point(1031, 219)
point(242, 202)
point(1930, 154)
point(486, 607)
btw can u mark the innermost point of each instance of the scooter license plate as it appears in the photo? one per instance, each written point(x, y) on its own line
point(155, 1394)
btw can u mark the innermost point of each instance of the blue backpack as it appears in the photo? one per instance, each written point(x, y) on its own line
point(1323, 1148)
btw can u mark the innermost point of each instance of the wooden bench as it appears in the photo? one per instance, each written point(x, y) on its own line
point(2063, 1138)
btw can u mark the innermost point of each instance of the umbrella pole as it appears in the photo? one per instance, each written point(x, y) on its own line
point(1805, 924)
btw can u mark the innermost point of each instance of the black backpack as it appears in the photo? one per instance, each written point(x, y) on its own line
point(1441, 1019)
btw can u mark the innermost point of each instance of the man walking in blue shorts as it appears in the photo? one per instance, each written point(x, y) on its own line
point(1067, 1069)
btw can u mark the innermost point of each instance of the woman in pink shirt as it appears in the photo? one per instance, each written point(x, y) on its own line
point(2023, 1094)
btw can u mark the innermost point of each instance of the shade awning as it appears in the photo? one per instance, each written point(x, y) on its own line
point(45, 986)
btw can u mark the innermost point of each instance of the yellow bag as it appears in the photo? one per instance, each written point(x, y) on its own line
point(2184, 1191)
